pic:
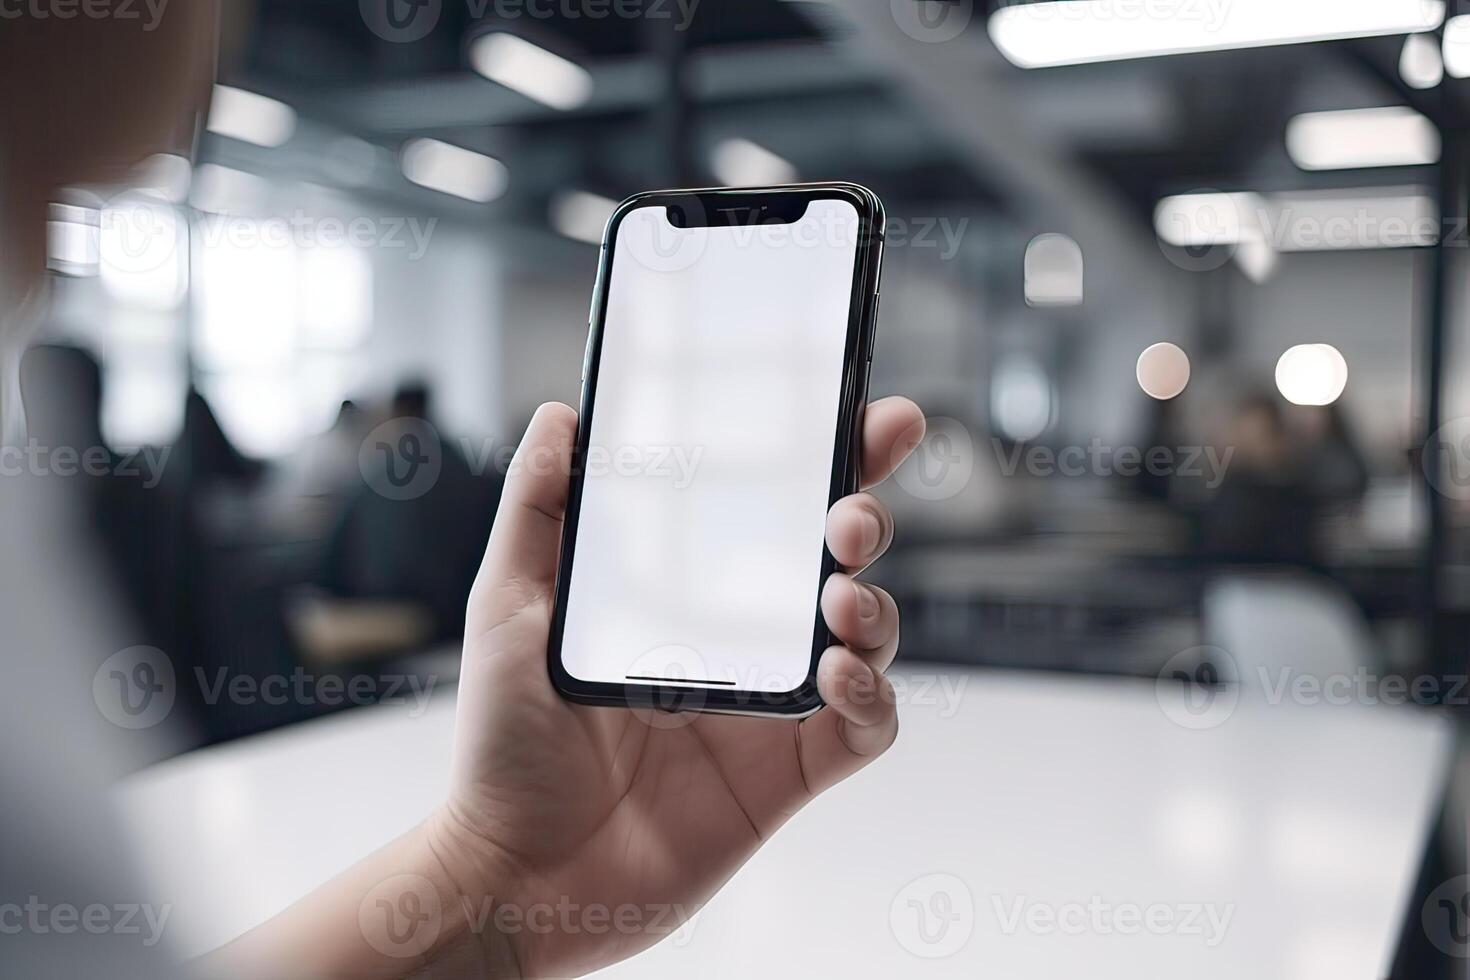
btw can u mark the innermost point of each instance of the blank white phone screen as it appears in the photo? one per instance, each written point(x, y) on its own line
point(704, 503)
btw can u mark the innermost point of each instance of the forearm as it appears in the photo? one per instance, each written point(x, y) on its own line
point(397, 913)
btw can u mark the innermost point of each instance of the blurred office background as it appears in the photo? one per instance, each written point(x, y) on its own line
point(1174, 319)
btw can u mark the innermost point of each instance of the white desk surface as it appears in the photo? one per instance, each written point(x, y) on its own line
point(1305, 824)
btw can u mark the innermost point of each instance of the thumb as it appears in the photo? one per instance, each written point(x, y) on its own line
point(520, 563)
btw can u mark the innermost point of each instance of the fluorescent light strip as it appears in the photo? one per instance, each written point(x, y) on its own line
point(454, 170)
point(1457, 47)
point(742, 163)
point(1054, 272)
point(73, 242)
point(1393, 136)
point(531, 70)
point(1209, 218)
point(1308, 221)
point(1420, 64)
point(580, 215)
point(1071, 32)
point(252, 118)
point(1370, 218)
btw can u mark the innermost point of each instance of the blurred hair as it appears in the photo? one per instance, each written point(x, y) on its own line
point(411, 400)
point(88, 97)
point(1256, 401)
point(61, 388)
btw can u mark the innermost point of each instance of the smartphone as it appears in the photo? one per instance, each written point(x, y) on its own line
point(728, 350)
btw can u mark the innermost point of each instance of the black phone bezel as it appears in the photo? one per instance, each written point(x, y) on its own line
point(857, 359)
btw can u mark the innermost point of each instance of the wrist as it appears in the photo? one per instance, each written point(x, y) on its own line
point(473, 878)
point(405, 911)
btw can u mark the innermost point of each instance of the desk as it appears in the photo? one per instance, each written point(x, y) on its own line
point(1010, 795)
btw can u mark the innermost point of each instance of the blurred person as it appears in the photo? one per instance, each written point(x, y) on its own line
point(1265, 510)
point(400, 561)
point(1163, 433)
point(548, 800)
point(207, 455)
point(326, 465)
point(62, 389)
point(312, 485)
point(1332, 455)
point(86, 99)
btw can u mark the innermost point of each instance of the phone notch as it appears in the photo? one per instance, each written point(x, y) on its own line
point(758, 210)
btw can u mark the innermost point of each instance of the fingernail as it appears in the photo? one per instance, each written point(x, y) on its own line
point(872, 532)
point(867, 602)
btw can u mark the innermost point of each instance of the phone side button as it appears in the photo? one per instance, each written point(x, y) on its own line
point(873, 333)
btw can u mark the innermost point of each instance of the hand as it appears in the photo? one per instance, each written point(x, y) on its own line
point(596, 810)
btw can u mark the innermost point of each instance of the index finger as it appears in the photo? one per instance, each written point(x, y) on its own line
point(892, 428)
